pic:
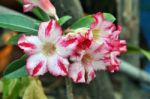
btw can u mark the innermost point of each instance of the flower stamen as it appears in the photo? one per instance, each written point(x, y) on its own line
point(96, 34)
point(49, 48)
point(86, 59)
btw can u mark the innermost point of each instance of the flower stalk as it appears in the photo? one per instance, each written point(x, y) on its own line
point(69, 88)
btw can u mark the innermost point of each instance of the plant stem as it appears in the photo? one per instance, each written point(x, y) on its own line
point(69, 88)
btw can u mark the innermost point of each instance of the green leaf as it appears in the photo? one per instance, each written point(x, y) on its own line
point(1, 86)
point(19, 23)
point(64, 19)
point(4, 10)
point(109, 17)
point(15, 88)
point(146, 53)
point(83, 22)
point(15, 65)
point(40, 14)
point(21, 72)
point(16, 69)
point(13, 40)
point(133, 49)
point(11, 88)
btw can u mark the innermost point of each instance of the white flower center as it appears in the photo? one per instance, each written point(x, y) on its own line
point(49, 48)
point(86, 59)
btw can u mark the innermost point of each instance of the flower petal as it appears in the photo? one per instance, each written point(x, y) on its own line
point(99, 65)
point(30, 44)
point(58, 66)
point(98, 51)
point(117, 45)
point(48, 7)
point(66, 46)
point(90, 74)
point(115, 32)
point(84, 39)
point(77, 72)
point(113, 57)
point(113, 62)
point(106, 24)
point(98, 19)
point(50, 31)
point(27, 7)
point(36, 65)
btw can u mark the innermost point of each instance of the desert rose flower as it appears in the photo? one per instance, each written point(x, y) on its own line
point(86, 59)
point(45, 5)
point(46, 51)
point(106, 33)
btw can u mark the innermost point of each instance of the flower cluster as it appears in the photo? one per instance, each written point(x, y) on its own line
point(78, 54)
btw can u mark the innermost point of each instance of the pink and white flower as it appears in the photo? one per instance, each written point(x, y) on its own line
point(46, 51)
point(97, 49)
point(87, 59)
point(106, 33)
point(45, 5)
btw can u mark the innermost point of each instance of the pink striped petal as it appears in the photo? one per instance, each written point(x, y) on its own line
point(115, 32)
point(98, 51)
point(58, 66)
point(113, 68)
point(30, 44)
point(114, 59)
point(77, 72)
point(66, 46)
point(112, 62)
point(90, 74)
point(36, 65)
point(117, 45)
point(98, 17)
point(77, 56)
point(50, 31)
point(84, 40)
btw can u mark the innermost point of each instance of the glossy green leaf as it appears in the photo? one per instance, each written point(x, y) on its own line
point(19, 23)
point(64, 19)
point(83, 22)
point(40, 14)
point(13, 40)
point(15, 65)
point(133, 49)
point(21, 72)
point(109, 17)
